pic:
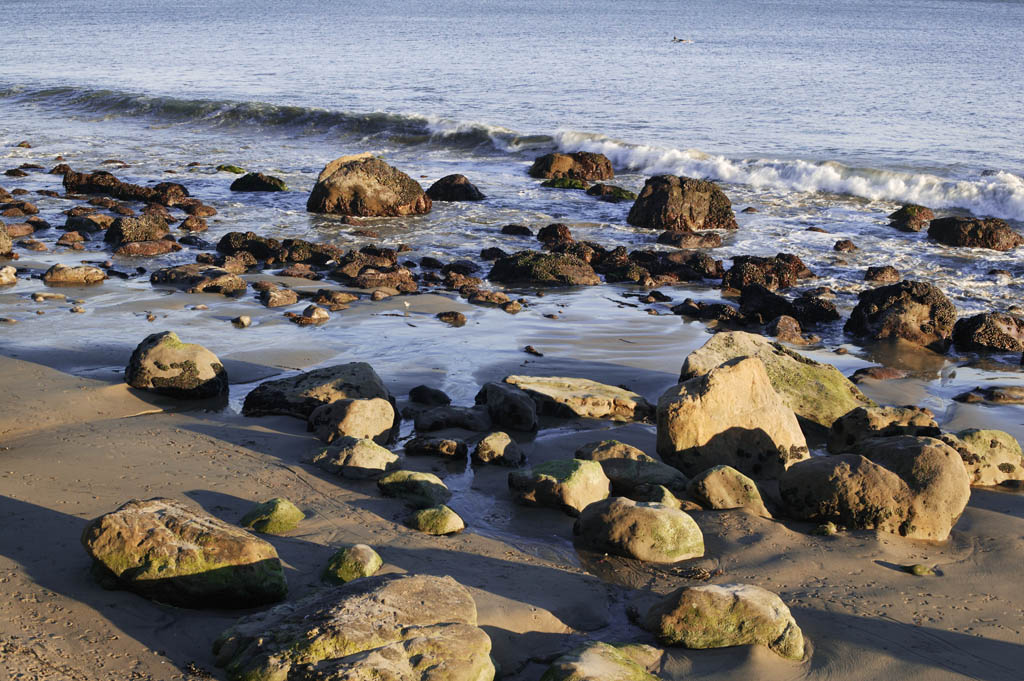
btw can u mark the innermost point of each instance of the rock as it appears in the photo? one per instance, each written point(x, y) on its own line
point(437, 521)
point(147, 249)
point(454, 188)
point(499, 448)
point(8, 276)
point(452, 318)
point(732, 416)
point(581, 165)
point(886, 274)
point(781, 271)
point(844, 246)
point(419, 490)
point(863, 423)
point(396, 627)
point(565, 397)
point(165, 551)
point(722, 616)
point(759, 305)
point(432, 397)
point(313, 315)
point(565, 183)
point(440, 418)
point(539, 268)
point(911, 218)
point(194, 278)
point(788, 330)
point(81, 275)
point(356, 459)
point(569, 485)
point(372, 418)
point(6, 245)
point(301, 394)
point(991, 457)
point(554, 234)
point(335, 301)
point(279, 297)
point(367, 187)
point(352, 562)
point(690, 239)
point(647, 532)
point(878, 373)
point(919, 570)
point(724, 487)
point(516, 230)
point(628, 468)
point(611, 193)
point(20, 229)
point(277, 516)
point(989, 331)
point(508, 406)
point(998, 394)
point(818, 393)
point(914, 311)
point(988, 233)
point(163, 364)
point(599, 661)
point(258, 182)
point(231, 168)
point(143, 228)
point(437, 446)
point(916, 487)
point(681, 204)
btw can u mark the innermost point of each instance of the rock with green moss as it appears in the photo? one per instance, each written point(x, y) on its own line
point(567, 397)
point(538, 268)
point(865, 423)
point(351, 563)
point(629, 468)
point(565, 183)
point(356, 459)
point(599, 661)
point(230, 168)
point(168, 552)
point(611, 193)
point(659, 494)
point(911, 218)
point(436, 520)
point(419, 490)
point(818, 393)
point(713, 616)
point(408, 627)
point(724, 487)
point(569, 485)
point(991, 457)
point(644, 531)
point(258, 182)
point(277, 516)
point(919, 570)
point(162, 363)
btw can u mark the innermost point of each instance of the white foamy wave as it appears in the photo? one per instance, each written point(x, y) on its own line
point(999, 195)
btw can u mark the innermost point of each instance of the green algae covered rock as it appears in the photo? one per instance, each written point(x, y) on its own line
point(419, 490)
point(276, 516)
point(164, 550)
point(408, 627)
point(565, 183)
point(351, 563)
point(991, 457)
point(436, 520)
point(629, 468)
point(231, 168)
point(644, 531)
point(164, 364)
point(599, 661)
point(720, 616)
point(569, 485)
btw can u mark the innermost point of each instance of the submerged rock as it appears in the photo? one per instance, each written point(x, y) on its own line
point(681, 204)
point(914, 311)
point(649, 532)
point(569, 485)
point(258, 182)
point(367, 187)
point(164, 364)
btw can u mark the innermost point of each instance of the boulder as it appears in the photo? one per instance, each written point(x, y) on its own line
point(440, 418)
point(611, 193)
point(730, 416)
point(508, 406)
point(419, 490)
point(722, 616)
point(80, 275)
point(724, 487)
point(356, 459)
point(278, 297)
point(436, 446)
point(195, 278)
point(989, 331)
point(599, 661)
point(143, 228)
point(818, 393)
point(913, 311)
point(352, 562)
point(569, 485)
point(991, 457)
point(396, 627)
point(990, 233)
point(366, 187)
point(454, 188)
point(911, 218)
point(649, 532)
point(884, 274)
point(581, 165)
point(916, 487)
point(299, 395)
point(431, 397)
point(258, 182)
point(533, 268)
point(8, 276)
point(690, 239)
point(681, 204)
point(564, 397)
point(372, 418)
point(163, 364)
point(499, 448)
point(628, 468)
point(164, 550)
point(437, 521)
point(277, 516)
point(864, 423)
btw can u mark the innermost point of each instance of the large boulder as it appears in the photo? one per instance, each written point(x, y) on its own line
point(373, 419)
point(989, 331)
point(628, 468)
point(73, 275)
point(580, 397)
point(163, 364)
point(454, 188)
point(367, 187)
point(599, 661)
point(581, 165)
point(722, 616)
point(916, 487)
point(356, 459)
point(533, 268)
point(401, 628)
point(990, 233)
point(724, 487)
point(913, 311)
point(730, 416)
point(864, 423)
point(569, 485)
point(650, 532)
point(681, 204)
point(991, 457)
point(164, 550)
point(508, 406)
point(299, 395)
point(818, 393)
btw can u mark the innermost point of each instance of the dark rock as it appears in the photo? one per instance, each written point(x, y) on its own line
point(440, 418)
point(885, 274)
point(690, 239)
point(1007, 394)
point(538, 268)
point(844, 246)
point(147, 249)
point(975, 233)
point(911, 218)
point(366, 186)
point(782, 271)
point(258, 182)
point(196, 278)
point(492, 253)
point(433, 397)
point(452, 318)
point(554, 234)
point(879, 373)
point(681, 204)
point(144, 228)
point(761, 305)
point(581, 165)
point(989, 331)
point(454, 188)
point(811, 308)
point(611, 193)
point(914, 311)
point(516, 230)
point(565, 183)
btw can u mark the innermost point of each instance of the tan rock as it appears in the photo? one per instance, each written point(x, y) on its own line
point(581, 397)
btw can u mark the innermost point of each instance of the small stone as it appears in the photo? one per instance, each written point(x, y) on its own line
point(312, 315)
point(276, 516)
point(452, 318)
point(351, 563)
point(437, 520)
point(919, 570)
point(530, 350)
point(78, 309)
point(826, 529)
point(242, 321)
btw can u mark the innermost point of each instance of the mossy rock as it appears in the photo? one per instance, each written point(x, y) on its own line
point(565, 183)
point(437, 520)
point(566, 484)
point(643, 531)
point(599, 661)
point(420, 490)
point(991, 457)
point(164, 364)
point(276, 516)
point(351, 563)
point(229, 168)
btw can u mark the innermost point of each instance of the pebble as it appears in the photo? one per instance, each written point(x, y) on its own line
point(242, 321)
point(77, 309)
